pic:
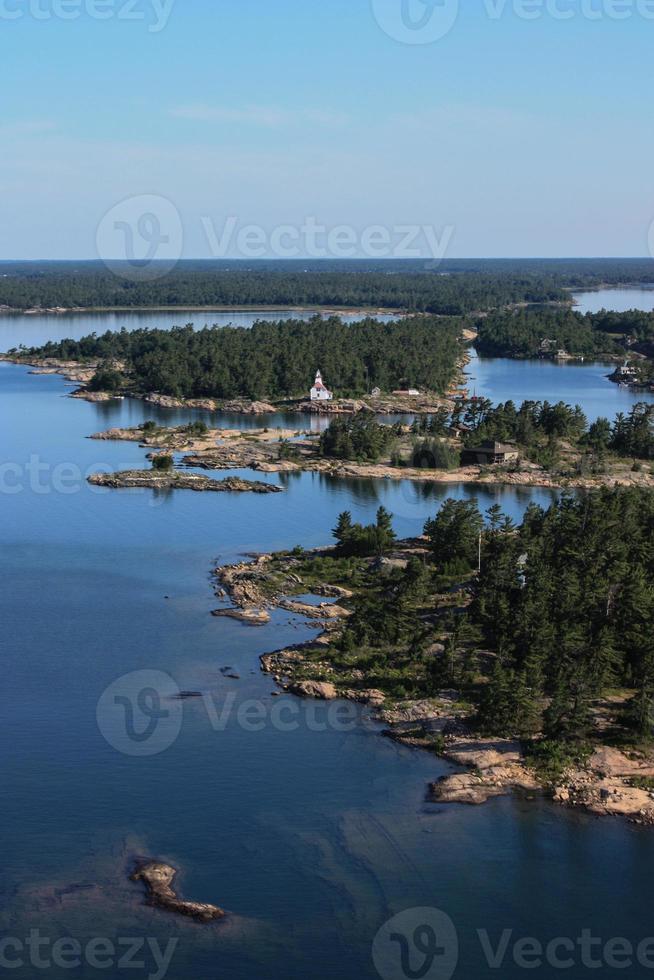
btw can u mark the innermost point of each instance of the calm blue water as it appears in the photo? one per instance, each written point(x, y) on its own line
point(310, 831)
point(628, 298)
point(501, 379)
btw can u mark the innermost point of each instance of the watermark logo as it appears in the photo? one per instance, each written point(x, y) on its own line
point(141, 238)
point(40, 952)
point(417, 944)
point(416, 21)
point(154, 13)
point(141, 713)
point(316, 240)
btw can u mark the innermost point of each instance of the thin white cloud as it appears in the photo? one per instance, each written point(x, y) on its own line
point(270, 117)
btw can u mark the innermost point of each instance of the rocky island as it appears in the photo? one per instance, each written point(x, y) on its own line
point(174, 480)
point(158, 879)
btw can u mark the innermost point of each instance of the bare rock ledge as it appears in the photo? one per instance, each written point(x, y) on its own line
point(174, 480)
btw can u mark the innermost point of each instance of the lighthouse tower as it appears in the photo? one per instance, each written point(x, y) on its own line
point(319, 393)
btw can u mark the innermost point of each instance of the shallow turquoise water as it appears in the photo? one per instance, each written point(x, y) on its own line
point(312, 829)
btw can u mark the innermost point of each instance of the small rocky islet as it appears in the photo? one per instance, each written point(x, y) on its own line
point(158, 880)
point(174, 480)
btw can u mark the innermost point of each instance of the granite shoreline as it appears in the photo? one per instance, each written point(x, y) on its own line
point(609, 782)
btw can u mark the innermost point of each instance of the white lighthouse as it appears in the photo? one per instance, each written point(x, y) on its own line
point(319, 393)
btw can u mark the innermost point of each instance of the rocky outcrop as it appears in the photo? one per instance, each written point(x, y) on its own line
point(612, 784)
point(324, 610)
point(253, 617)
point(237, 406)
point(174, 480)
point(320, 690)
point(243, 582)
point(158, 879)
point(95, 396)
point(119, 435)
point(498, 768)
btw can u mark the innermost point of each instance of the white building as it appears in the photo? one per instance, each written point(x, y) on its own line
point(319, 393)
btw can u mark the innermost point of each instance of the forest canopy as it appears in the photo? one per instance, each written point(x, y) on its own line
point(606, 333)
point(277, 360)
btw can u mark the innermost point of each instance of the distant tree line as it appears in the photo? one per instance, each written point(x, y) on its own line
point(414, 287)
point(456, 286)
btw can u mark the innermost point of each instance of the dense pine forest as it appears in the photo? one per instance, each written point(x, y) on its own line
point(275, 360)
point(549, 616)
point(567, 604)
point(395, 286)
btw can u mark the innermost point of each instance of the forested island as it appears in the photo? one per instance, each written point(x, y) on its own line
point(523, 652)
point(270, 360)
point(565, 333)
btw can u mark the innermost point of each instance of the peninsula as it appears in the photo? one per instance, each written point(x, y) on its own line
point(489, 663)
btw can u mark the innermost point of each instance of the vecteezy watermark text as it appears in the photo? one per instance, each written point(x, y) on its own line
point(428, 21)
point(41, 477)
point(99, 953)
point(142, 238)
point(141, 714)
point(314, 240)
point(154, 13)
point(424, 943)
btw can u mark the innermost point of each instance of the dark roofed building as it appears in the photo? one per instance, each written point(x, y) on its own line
point(490, 454)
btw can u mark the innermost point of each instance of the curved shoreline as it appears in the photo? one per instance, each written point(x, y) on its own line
point(608, 783)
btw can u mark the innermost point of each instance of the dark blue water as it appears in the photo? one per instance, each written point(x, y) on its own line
point(308, 826)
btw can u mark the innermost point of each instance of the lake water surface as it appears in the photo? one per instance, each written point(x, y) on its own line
point(312, 830)
point(619, 299)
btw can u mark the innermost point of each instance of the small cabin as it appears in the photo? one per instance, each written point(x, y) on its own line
point(376, 392)
point(319, 392)
point(490, 454)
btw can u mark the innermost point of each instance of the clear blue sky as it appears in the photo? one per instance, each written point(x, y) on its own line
point(522, 136)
